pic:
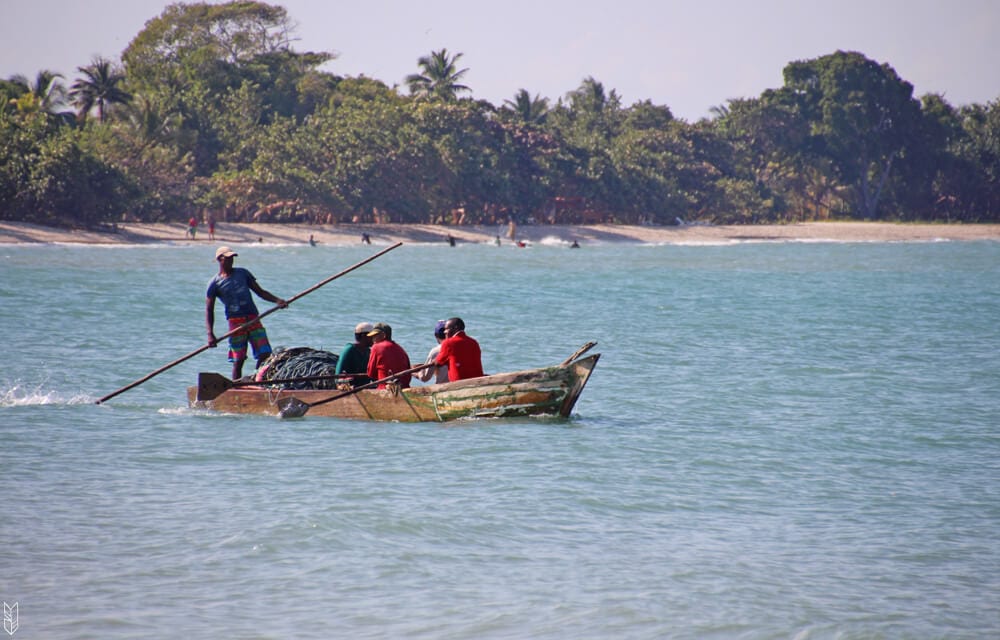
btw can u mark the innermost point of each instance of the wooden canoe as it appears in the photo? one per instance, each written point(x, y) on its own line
point(547, 391)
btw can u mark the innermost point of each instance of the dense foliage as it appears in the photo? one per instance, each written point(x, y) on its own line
point(212, 111)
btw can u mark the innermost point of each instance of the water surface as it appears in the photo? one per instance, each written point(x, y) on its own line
point(781, 440)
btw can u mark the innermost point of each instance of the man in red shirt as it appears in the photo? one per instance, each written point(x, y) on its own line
point(460, 352)
point(387, 357)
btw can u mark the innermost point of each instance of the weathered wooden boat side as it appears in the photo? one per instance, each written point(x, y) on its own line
point(545, 391)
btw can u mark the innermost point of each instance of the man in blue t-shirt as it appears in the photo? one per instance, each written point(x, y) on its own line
point(233, 285)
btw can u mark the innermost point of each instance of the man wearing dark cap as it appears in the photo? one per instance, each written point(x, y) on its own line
point(387, 357)
point(438, 372)
point(233, 286)
point(353, 359)
point(460, 352)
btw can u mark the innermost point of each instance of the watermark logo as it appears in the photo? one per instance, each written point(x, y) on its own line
point(9, 618)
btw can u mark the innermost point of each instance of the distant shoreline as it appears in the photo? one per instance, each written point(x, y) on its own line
point(380, 234)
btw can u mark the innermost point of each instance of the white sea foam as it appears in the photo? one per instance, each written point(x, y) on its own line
point(176, 411)
point(554, 241)
point(19, 395)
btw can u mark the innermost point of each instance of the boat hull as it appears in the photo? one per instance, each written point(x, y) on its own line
point(546, 391)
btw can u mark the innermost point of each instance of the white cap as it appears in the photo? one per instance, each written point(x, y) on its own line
point(224, 252)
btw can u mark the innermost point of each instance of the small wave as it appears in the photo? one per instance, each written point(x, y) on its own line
point(554, 241)
point(179, 411)
point(121, 246)
point(741, 240)
point(18, 395)
point(692, 243)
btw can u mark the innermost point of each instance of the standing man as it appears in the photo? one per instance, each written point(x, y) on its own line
point(353, 359)
point(233, 286)
point(460, 352)
point(387, 357)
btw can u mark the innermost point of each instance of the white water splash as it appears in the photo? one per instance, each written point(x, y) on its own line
point(177, 411)
point(18, 395)
point(554, 241)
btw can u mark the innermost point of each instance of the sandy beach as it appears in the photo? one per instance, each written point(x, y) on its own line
point(346, 234)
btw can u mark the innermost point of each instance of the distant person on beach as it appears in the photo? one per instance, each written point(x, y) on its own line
point(459, 352)
point(498, 241)
point(353, 359)
point(211, 227)
point(575, 245)
point(365, 238)
point(192, 227)
point(387, 357)
point(233, 286)
point(451, 240)
point(439, 372)
point(512, 230)
point(312, 240)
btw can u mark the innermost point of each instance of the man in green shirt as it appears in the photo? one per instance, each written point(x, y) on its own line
point(353, 360)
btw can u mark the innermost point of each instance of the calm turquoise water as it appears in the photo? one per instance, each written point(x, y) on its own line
point(781, 441)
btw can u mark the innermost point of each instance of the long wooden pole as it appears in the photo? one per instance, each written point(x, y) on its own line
point(292, 407)
point(246, 324)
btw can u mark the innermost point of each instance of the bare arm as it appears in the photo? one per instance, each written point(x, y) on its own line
point(210, 320)
point(267, 295)
point(426, 374)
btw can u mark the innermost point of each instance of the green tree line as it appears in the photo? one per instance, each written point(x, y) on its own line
point(211, 110)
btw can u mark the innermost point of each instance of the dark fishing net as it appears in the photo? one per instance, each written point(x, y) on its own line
point(302, 362)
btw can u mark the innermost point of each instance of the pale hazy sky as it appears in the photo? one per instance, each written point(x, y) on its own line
point(689, 55)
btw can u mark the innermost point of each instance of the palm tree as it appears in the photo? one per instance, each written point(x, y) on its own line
point(720, 111)
point(149, 123)
point(590, 96)
point(46, 94)
point(439, 78)
point(98, 89)
point(47, 89)
point(531, 110)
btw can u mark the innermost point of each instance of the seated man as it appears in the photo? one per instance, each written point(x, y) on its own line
point(460, 352)
point(438, 372)
point(353, 359)
point(387, 357)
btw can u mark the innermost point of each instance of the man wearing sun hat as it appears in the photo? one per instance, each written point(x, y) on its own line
point(353, 360)
point(387, 357)
point(233, 286)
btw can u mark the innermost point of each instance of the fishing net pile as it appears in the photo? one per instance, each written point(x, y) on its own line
point(302, 362)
